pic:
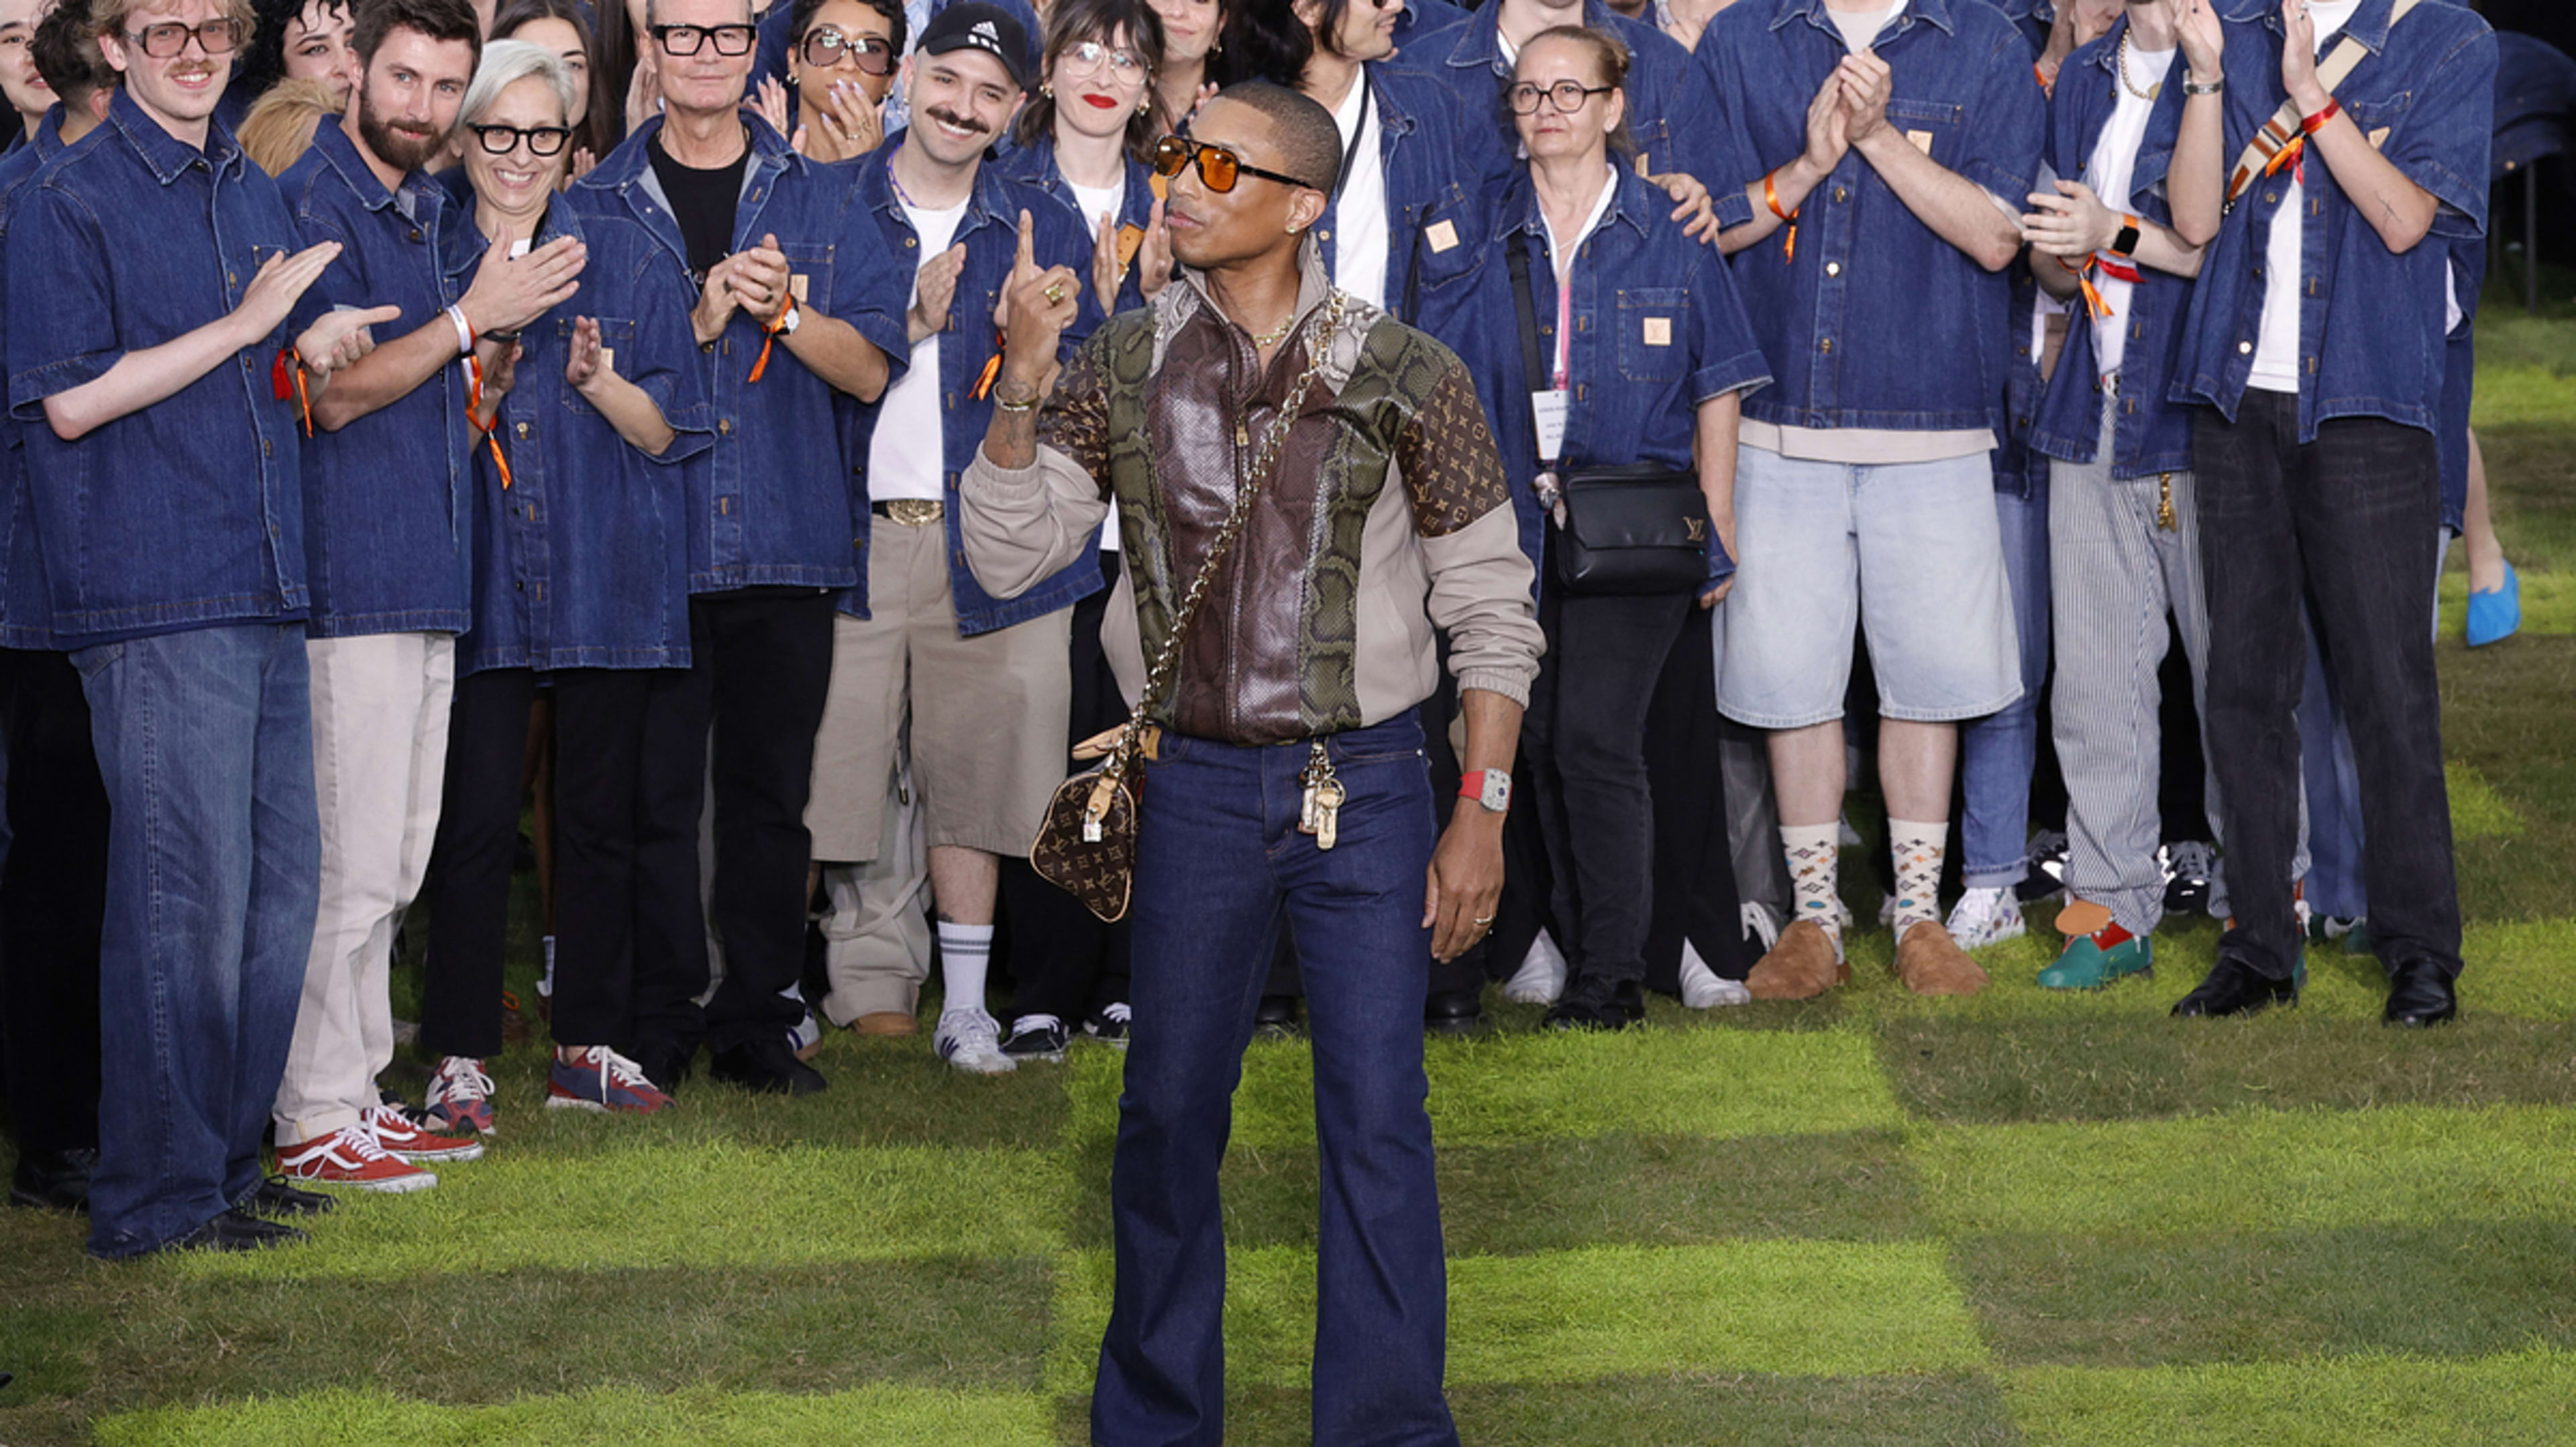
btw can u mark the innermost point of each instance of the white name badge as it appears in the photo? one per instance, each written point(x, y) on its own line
point(1547, 409)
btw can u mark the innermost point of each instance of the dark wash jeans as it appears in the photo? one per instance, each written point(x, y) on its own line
point(1220, 862)
point(214, 860)
point(1586, 735)
point(2347, 521)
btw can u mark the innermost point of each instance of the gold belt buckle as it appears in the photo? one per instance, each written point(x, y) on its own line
point(915, 512)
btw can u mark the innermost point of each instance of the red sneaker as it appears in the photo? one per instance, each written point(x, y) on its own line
point(350, 1157)
point(403, 1139)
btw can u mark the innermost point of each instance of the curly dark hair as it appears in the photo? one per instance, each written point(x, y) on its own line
point(263, 62)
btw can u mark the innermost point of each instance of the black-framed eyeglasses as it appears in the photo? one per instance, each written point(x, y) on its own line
point(1219, 168)
point(214, 37)
point(1567, 96)
point(828, 47)
point(689, 39)
point(502, 140)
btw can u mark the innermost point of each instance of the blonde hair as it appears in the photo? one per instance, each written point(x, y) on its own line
point(107, 17)
point(280, 126)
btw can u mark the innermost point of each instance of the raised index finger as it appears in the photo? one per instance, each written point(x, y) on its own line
point(1027, 259)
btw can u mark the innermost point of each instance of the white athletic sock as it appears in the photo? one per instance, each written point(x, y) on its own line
point(965, 950)
point(1814, 872)
point(1918, 847)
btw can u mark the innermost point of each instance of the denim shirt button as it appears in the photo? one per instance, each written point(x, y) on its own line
point(724, 427)
point(2244, 349)
point(1833, 268)
point(1826, 346)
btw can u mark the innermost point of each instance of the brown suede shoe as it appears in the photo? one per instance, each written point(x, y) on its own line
point(1800, 967)
point(885, 1022)
point(1931, 963)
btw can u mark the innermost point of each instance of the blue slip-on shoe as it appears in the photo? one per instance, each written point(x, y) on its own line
point(2497, 616)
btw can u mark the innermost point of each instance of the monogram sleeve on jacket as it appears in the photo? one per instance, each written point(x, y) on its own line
point(1446, 455)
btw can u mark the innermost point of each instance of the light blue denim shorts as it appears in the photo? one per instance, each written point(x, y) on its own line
point(1910, 552)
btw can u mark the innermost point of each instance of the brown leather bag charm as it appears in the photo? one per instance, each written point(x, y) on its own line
point(1087, 844)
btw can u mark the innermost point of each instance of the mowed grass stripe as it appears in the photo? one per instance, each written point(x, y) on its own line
point(875, 1416)
point(1715, 1084)
point(1788, 1307)
point(708, 1204)
point(1670, 1409)
point(2386, 1401)
point(2276, 1170)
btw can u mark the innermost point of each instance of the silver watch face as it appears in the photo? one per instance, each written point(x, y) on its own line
point(1496, 792)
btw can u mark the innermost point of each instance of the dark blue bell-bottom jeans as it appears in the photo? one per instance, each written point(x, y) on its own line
point(214, 858)
point(1220, 862)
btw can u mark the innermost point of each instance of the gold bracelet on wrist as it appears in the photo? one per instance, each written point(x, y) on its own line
point(1007, 405)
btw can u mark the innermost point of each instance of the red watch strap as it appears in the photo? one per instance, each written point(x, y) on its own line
point(1471, 784)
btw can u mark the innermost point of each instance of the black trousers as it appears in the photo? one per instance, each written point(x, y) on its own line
point(468, 888)
point(1063, 960)
point(1586, 736)
point(53, 897)
point(2346, 523)
point(751, 705)
point(1697, 895)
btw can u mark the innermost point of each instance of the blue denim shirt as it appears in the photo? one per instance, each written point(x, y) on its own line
point(23, 607)
point(189, 513)
point(388, 506)
point(583, 560)
point(1033, 165)
point(1878, 322)
point(990, 232)
point(2370, 321)
point(2033, 18)
point(1429, 182)
point(1672, 116)
point(2018, 470)
point(1658, 329)
point(773, 503)
point(2152, 434)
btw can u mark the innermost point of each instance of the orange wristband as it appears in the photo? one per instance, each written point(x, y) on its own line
point(2315, 123)
point(1771, 198)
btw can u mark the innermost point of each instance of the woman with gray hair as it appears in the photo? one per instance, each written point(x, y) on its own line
point(580, 575)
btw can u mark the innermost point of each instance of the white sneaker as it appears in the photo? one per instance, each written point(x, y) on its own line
point(460, 1096)
point(1702, 989)
point(1541, 978)
point(971, 1040)
point(805, 1037)
point(1759, 924)
point(1985, 917)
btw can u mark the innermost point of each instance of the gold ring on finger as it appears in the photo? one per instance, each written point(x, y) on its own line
point(1054, 292)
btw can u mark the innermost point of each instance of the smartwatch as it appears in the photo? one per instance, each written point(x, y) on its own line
point(2126, 243)
point(1489, 787)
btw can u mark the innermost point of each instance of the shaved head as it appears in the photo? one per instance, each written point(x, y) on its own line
point(1309, 145)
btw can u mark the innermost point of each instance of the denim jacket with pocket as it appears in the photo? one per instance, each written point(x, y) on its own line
point(1878, 322)
point(582, 560)
point(772, 502)
point(388, 504)
point(990, 232)
point(2151, 433)
point(188, 513)
point(2371, 321)
point(24, 610)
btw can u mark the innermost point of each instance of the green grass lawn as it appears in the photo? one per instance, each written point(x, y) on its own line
point(1865, 1219)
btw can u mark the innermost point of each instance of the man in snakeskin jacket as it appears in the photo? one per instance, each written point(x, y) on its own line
point(1384, 516)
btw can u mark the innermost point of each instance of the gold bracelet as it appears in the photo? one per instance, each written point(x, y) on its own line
point(1007, 405)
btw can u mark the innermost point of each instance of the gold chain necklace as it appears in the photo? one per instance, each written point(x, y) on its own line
point(2151, 93)
point(1273, 337)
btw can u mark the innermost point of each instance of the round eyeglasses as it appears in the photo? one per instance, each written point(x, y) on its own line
point(502, 140)
point(1567, 96)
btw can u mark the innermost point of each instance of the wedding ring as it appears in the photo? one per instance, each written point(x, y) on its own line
point(1489, 919)
point(1054, 292)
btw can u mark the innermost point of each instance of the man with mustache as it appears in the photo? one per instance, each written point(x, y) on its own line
point(799, 313)
point(153, 273)
point(987, 682)
point(1382, 515)
point(387, 509)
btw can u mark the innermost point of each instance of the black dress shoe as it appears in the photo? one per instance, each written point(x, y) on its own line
point(664, 1063)
point(1628, 998)
point(277, 1199)
point(1453, 1012)
point(1567, 1015)
point(2420, 993)
point(1276, 1019)
point(53, 1180)
point(2235, 988)
point(766, 1067)
point(237, 1230)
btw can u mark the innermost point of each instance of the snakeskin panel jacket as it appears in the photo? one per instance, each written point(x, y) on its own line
point(1386, 518)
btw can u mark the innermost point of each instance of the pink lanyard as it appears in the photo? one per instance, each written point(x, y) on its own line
point(1564, 323)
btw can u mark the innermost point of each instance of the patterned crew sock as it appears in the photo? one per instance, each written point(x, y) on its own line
point(1814, 871)
point(964, 952)
point(1918, 848)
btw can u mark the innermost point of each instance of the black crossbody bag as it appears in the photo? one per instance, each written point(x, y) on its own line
point(1628, 530)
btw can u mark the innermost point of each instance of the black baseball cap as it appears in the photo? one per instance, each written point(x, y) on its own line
point(975, 25)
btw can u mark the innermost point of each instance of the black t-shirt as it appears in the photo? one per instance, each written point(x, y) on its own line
point(703, 202)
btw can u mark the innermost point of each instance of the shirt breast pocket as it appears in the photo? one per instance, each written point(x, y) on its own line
point(809, 276)
point(2380, 117)
point(1654, 328)
point(1935, 129)
point(616, 343)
